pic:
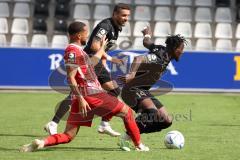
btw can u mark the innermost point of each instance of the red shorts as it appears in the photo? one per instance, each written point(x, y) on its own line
point(102, 104)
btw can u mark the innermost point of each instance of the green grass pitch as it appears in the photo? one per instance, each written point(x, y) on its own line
point(210, 124)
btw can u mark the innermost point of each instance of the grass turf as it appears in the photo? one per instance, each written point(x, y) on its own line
point(210, 124)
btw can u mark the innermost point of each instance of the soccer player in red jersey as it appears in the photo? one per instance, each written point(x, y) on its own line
point(88, 97)
point(111, 28)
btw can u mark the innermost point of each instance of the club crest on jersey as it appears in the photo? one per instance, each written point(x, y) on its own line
point(155, 49)
point(152, 57)
point(71, 57)
point(101, 33)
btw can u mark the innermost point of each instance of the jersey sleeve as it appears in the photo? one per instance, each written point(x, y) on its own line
point(72, 56)
point(102, 30)
point(154, 48)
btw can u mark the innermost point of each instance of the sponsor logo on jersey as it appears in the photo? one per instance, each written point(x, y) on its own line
point(101, 33)
point(71, 58)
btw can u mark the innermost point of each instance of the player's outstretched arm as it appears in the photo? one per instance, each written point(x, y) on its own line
point(138, 60)
point(147, 33)
point(101, 52)
point(71, 73)
point(113, 59)
point(96, 46)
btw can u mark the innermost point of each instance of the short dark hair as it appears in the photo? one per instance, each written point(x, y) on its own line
point(174, 41)
point(75, 27)
point(121, 6)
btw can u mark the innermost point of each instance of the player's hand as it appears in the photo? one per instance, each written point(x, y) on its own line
point(147, 30)
point(117, 61)
point(127, 78)
point(83, 106)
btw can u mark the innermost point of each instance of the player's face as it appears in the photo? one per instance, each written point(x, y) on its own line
point(84, 35)
point(122, 17)
point(178, 52)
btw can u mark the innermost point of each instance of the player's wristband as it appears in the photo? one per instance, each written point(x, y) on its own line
point(109, 58)
point(147, 36)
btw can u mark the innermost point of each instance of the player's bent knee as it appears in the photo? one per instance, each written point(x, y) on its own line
point(170, 121)
point(124, 111)
point(167, 124)
point(71, 131)
point(70, 136)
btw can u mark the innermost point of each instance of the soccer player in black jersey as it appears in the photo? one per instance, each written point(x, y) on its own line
point(145, 71)
point(109, 27)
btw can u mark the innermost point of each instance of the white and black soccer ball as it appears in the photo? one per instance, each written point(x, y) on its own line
point(174, 140)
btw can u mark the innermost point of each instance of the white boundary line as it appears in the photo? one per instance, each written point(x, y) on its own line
point(175, 90)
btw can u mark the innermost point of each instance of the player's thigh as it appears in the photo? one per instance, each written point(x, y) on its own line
point(110, 85)
point(103, 104)
point(150, 103)
point(162, 111)
point(147, 103)
point(71, 130)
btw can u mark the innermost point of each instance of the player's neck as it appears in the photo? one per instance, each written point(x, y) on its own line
point(115, 23)
point(169, 55)
point(76, 42)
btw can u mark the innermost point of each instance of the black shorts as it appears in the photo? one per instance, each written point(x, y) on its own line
point(102, 73)
point(134, 97)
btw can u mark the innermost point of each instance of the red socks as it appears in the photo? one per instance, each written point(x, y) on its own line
point(132, 128)
point(57, 139)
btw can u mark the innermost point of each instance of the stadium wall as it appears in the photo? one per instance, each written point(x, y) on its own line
point(28, 68)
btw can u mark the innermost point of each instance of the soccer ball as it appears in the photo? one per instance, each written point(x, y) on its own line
point(174, 140)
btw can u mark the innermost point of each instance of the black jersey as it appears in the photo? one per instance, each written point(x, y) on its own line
point(148, 73)
point(156, 62)
point(105, 27)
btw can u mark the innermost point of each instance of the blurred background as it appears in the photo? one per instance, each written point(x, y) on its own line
point(207, 24)
point(33, 35)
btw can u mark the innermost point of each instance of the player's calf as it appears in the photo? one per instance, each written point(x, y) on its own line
point(56, 139)
point(60, 138)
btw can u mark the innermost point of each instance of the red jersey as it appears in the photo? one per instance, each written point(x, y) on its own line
point(85, 77)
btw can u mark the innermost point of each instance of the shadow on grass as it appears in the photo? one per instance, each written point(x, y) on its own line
point(72, 149)
point(81, 149)
point(90, 149)
point(20, 135)
point(8, 149)
point(66, 149)
point(225, 125)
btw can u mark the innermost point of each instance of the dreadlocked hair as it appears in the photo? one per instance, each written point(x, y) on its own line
point(174, 41)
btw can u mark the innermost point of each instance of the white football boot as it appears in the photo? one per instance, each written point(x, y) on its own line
point(125, 144)
point(142, 148)
point(105, 128)
point(51, 128)
point(35, 145)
